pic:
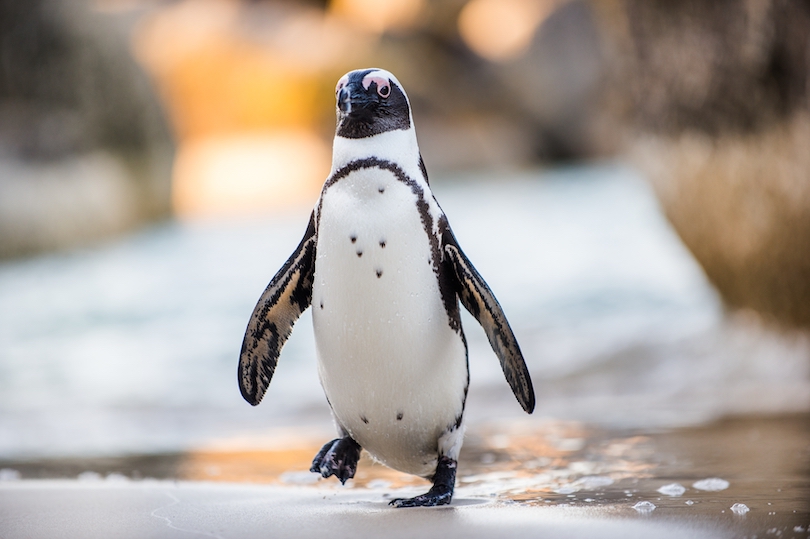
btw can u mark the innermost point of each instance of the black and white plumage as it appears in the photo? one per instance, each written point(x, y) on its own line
point(384, 274)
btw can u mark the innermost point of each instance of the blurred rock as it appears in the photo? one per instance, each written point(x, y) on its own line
point(714, 98)
point(84, 149)
point(228, 67)
point(728, 66)
point(47, 206)
point(557, 83)
point(250, 90)
point(542, 103)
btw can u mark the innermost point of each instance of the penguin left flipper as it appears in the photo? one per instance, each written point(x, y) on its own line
point(479, 300)
point(285, 298)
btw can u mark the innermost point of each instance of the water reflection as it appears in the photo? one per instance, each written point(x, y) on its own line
point(760, 463)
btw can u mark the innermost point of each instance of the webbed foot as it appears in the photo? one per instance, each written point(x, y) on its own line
point(339, 458)
point(441, 493)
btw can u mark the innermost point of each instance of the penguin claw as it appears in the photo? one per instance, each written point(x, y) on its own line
point(339, 458)
point(435, 496)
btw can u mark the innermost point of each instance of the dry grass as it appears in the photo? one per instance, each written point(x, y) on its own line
point(741, 204)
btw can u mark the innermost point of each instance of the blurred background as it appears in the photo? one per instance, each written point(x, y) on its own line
point(632, 178)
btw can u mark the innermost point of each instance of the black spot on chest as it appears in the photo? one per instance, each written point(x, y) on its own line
point(436, 260)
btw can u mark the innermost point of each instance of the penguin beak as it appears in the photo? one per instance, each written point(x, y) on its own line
point(344, 101)
point(354, 100)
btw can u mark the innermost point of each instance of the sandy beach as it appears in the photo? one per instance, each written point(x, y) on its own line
point(737, 478)
point(44, 509)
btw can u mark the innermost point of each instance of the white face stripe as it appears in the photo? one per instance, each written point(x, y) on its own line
point(344, 80)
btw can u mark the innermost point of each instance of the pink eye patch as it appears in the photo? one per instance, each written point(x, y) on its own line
point(383, 86)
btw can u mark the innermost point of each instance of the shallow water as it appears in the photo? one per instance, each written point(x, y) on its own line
point(131, 347)
point(615, 476)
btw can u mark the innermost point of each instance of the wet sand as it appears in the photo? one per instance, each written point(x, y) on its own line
point(72, 509)
point(545, 478)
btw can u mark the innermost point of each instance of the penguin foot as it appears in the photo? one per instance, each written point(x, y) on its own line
point(440, 493)
point(339, 458)
point(433, 497)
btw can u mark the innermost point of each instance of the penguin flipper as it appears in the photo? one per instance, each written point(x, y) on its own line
point(285, 298)
point(479, 300)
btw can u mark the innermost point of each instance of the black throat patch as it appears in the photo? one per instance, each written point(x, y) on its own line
point(370, 113)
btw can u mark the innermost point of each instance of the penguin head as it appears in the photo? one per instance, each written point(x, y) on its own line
point(370, 102)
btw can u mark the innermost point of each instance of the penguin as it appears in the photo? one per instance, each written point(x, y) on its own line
point(384, 274)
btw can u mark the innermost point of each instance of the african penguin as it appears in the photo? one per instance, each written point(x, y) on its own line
point(384, 274)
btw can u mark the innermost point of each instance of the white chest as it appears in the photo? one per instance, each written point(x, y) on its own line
point(392, 368)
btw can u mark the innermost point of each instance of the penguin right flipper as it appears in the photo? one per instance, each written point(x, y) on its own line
point(285, 298)
point(479, 300)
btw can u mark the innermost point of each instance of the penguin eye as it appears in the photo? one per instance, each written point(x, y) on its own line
point(344, 80)
point(383, 85)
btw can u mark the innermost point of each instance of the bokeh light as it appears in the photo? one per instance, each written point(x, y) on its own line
point(500, 30)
